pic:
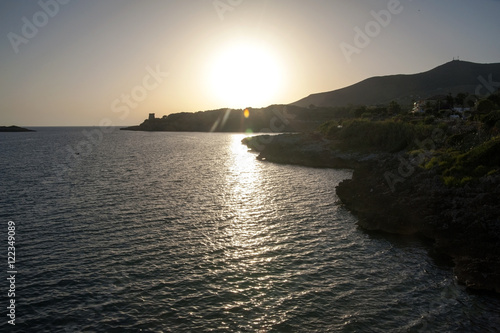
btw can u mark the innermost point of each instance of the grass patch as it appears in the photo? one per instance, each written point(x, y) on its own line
point(458, 169)
point(459, 154)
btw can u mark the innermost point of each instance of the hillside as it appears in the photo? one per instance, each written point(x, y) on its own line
point(452, 77)
point(274, 118)
point(440, 181)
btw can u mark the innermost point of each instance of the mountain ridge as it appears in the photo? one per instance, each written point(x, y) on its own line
point(452, 77)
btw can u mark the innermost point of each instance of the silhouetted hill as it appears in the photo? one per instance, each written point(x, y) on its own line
point(452, 77)
point(14, 129)
point(274, 118)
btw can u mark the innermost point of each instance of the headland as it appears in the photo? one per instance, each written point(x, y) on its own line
point(439, 180)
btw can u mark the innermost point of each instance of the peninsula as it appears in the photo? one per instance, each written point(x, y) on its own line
point(429, 168)
point(425, 150)
point(414, 174)
point(430, 89)
point(274, 118)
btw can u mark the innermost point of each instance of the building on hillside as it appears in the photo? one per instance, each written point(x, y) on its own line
point(461, 109)
point(418, 107)
point(437, 103)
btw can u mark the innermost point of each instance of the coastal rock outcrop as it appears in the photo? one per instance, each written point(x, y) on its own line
point(387, 195)
point(463, 221)
point(304, 149)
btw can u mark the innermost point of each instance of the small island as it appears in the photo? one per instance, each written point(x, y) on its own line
point(14, 129)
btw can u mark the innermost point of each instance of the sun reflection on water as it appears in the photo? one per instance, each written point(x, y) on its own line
point(245, 233)
point(243, 256)
point(245, 199)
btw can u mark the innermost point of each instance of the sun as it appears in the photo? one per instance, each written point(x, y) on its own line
point(245, 74)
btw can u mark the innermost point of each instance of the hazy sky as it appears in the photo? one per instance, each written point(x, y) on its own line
point(76, 62)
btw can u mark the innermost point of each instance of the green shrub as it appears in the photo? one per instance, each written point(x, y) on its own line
point(454, 170)
point(479, 161)
point(429, 120)
point(330, 128)
point(480, 171)
point(487, 153)
point(457, 182)
point(491, 119)
point(492, 172)
point(432, 163)
point(450, 181)
point(465, 180)
point(387, 135)
point(485, 106)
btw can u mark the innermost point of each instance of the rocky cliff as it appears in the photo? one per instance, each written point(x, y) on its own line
point(387, 194)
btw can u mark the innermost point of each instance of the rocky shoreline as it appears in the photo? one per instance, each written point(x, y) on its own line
point(390, 196)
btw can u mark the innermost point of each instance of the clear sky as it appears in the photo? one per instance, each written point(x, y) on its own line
point(76, 62)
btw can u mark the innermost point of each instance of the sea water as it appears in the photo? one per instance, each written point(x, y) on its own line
point(123, 231)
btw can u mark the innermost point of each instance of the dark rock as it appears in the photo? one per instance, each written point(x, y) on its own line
point(464, 223)
point(478, 273)
point(14, 129)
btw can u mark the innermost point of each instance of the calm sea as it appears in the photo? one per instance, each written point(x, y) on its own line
point(188, 232)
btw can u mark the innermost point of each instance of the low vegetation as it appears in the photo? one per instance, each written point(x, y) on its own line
point(391, 135)
point(461, 151)
point(458, 168)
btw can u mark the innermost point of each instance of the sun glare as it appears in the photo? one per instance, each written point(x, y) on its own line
point(245, 74)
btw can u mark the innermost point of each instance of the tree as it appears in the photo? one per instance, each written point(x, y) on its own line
point(492, 119)
point(485, 106)
point(450, 101)
point(431, 108)
point(360, 110)
point(394, 108)
point(460, 99)
point(470, 101)
point(495, 98)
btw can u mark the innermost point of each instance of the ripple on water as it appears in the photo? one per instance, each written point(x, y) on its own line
point(172, 232)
